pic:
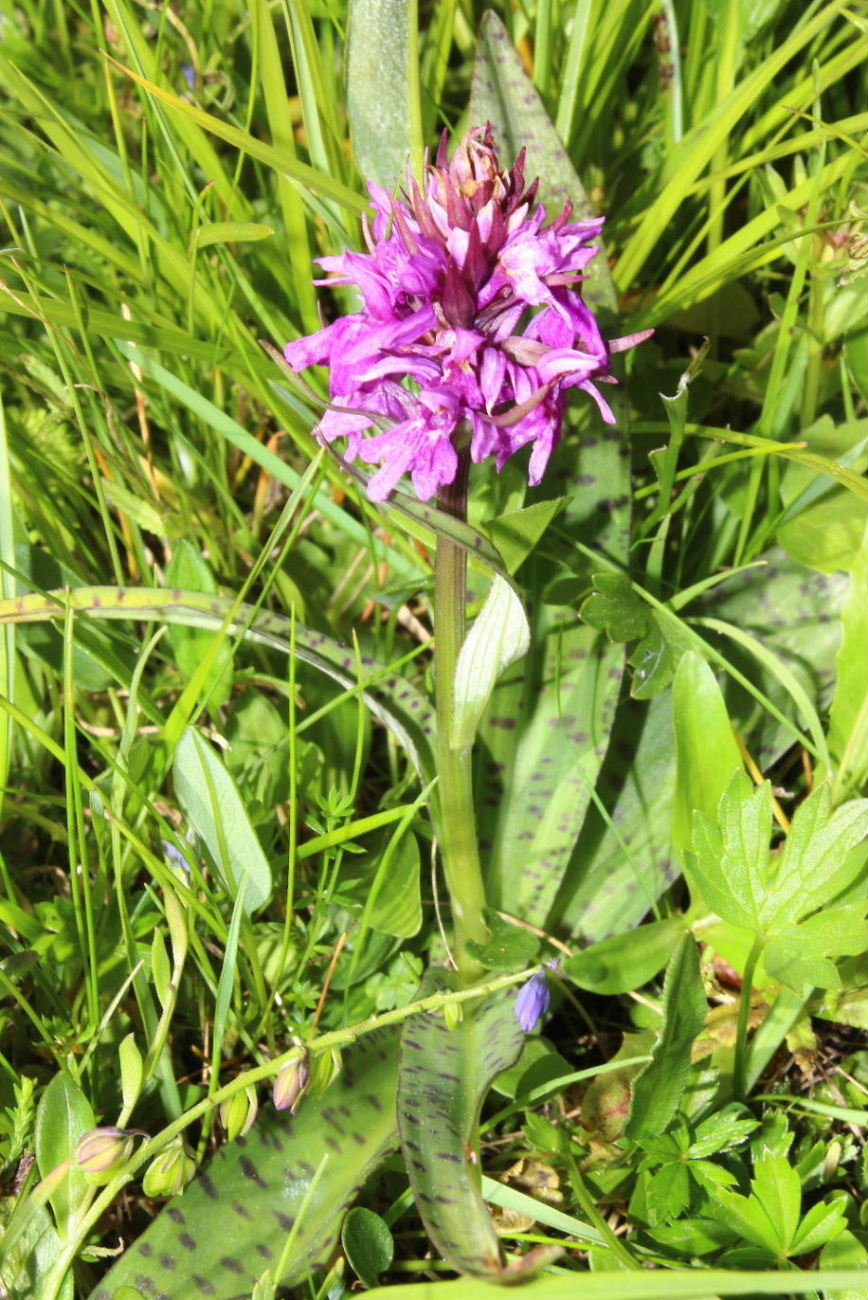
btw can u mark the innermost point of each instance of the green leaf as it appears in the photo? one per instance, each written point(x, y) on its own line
point(214, 809)
point(799, 957)
point(187, 569)
point(498, 637)
point(367, 1244)
point(823, 1223)
point(517, 533)
point(615, 608)
point(30, 1262)
point(724, 1130)
point(509, 947)
point(848, 717)
point(653, 663)
point(817, 863)
point(625, 961)
point(290, 1176)
point(504, 95)
point(728, 868)
point(394, 905)
point(383, 89)
point(658, 1088)
point(390, 698)
point(705, 747)
point(230, 232)
point(668, 1192)
point(62, 1116)
point(443, 1078)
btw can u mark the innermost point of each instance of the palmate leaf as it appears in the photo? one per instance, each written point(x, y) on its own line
point(443, 1077)
point(289, 1175)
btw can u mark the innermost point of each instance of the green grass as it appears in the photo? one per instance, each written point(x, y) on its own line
point(159, 476)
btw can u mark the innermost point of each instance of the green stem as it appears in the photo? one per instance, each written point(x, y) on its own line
point(739, 1081)
point(457, 820)
point(593, 1215)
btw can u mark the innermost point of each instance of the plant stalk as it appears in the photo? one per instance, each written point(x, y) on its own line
point(457, 819)
point(739, 1081)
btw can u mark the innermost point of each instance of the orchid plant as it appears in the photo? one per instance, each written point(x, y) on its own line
point(471, 335)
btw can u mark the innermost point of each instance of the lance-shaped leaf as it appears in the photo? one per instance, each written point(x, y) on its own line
point(443, 1078)
point(391, 699)
point(216, 812)
point(289, 1175)
point(499, 636)
point(504, 95)
point(383, 88)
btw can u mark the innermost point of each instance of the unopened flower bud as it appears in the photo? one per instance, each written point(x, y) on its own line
point(325, 1068)
point(238, 1113)
point(291, 1083)
point(101, 1151)
point(453, 1014)
point(169, 1172)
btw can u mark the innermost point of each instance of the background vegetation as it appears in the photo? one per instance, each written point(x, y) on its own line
point(173, 921)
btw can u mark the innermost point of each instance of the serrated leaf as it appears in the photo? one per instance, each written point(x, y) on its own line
point(667, 1192)
point(214, 809)
point(254, 1190)
point(443, 1078)
point(658, 1088)
point(724, 1130)
point(498, 637)
point(817, 864)
point(728, 867)
point(823, 1223)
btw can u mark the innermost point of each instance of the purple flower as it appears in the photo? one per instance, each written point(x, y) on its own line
point(472, 326)
point(533, 1001)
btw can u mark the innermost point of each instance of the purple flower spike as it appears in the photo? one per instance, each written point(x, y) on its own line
point(533, 1001)
point(472, 325)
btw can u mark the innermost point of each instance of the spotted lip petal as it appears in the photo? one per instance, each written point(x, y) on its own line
point(472, 318)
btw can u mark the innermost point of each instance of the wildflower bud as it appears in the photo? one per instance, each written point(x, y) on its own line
point(170, 1172)
point(453, 1014)
point(101, 1151)
point(238, 1113)
point(324, 1069)
point(291, 1083)
point(533, 1001)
